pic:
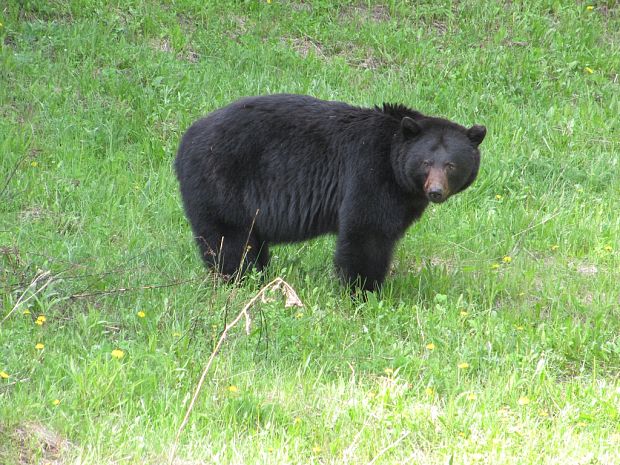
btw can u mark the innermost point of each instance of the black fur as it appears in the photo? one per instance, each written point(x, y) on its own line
point(285, 168)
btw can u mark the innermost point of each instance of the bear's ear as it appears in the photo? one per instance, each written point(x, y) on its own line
point(409, 127)
point(476, 134)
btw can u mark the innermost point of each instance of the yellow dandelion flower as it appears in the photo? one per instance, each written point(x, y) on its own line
point(430, 346)
point(232, 388)
point(34, 164)
point(268, 1)
point(495, 266)
point(519, 328)
point(56, 402)
point(582, 424)
point(297, 421)
point(270, 449)
point(498, 197)
point(429, 391)
point(555, 247)
point(42, 318)
point(26, 312)
point(523, 400)
point(461, 434)
point(316, 449)
point(39, 322)
point(299, 315)
point(463, 365)
point(4, 375)
point(176, 334)
point(507, 259)
point(118, 354)
point(471, 396)
point(608, 248)
point(39, 346)
point(589, 8)
point(388, 371)
point(543, 413)
point(141, 314)
point(588, 70)
point(463, 313)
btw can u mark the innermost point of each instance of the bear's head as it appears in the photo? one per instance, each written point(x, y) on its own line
point(436, 157)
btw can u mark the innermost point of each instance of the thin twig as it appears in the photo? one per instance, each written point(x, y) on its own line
point(390, 446)
point(244, 254)
point(277, 283)
point(521, 234)
point(131, 289)
point(38, 277)
point(8, 180)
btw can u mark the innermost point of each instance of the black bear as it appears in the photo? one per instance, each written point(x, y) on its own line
point(284, 168)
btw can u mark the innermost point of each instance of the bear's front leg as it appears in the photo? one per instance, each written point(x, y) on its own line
point(363, 258)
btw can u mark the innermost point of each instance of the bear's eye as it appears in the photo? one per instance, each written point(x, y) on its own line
point(426, 163)
point(450, 166)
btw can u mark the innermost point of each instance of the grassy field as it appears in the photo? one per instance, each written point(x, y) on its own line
point(496, 338)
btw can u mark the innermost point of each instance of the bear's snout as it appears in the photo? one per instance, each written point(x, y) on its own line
point(436, 186)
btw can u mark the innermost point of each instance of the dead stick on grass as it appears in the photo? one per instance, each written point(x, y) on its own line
point(390, 446)
point(291, 300)
point(120, 290)
point(37, 278)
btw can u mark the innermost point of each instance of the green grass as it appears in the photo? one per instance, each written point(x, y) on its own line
point(94, 97)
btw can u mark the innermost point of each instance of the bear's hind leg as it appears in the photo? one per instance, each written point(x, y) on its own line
point(230, 249)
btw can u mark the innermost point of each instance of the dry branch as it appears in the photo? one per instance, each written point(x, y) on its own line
point(291, 300)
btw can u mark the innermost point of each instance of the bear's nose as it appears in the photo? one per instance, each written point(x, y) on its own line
point(435, 195)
